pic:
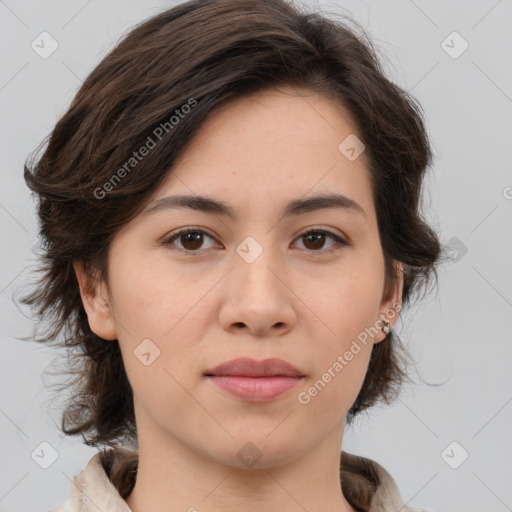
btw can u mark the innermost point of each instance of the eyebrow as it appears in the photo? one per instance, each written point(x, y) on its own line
point(292, 208)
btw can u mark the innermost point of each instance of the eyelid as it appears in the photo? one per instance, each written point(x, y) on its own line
point(167, 239)
point(341, 241)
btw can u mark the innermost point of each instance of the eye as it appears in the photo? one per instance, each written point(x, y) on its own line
point(192, 239)
point(316, 239)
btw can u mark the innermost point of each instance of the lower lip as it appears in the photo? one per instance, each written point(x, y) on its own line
point(255, 389)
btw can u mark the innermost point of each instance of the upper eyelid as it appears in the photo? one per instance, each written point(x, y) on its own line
point(188, 229)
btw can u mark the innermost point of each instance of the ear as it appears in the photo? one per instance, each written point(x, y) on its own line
point(391, 306)
point(95, 300)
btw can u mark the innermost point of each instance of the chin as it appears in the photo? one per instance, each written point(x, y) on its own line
point(259, 451)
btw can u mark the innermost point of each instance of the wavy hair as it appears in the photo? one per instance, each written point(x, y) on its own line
point(209, 52)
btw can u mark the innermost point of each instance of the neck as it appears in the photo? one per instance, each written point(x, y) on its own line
point(171, 477)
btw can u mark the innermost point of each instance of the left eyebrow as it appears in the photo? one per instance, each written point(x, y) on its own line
point(292, 208)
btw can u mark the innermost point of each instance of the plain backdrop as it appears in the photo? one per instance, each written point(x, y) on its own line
point(444, 440)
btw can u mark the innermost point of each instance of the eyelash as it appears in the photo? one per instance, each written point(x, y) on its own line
point(340, 241)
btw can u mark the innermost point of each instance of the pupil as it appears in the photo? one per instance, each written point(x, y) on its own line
point(194, 238)
point(316, 238)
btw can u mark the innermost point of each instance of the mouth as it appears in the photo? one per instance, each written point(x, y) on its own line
point(255, 381)
point(245, 367)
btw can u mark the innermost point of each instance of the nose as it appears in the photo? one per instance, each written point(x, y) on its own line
point(257, 298)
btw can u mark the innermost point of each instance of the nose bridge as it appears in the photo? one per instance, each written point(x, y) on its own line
point(256, 263)
point(256, 296)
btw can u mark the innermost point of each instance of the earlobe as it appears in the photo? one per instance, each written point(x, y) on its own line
point(95, 302)
point(390, 309)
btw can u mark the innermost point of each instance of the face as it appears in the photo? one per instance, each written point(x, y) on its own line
point(250, 284)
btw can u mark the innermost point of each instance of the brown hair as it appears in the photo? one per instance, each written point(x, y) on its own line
point(203, 53)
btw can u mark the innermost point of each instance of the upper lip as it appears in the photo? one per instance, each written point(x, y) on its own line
point(246, 367)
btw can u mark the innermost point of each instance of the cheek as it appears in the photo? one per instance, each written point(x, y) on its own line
point(157, 324)
point(332, 390)
point(150, 299)
point(343, 364)
point(349, 308)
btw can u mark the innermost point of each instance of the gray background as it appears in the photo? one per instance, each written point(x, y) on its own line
point(459, 335)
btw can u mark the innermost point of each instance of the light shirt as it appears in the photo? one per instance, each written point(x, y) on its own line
point(366, 485)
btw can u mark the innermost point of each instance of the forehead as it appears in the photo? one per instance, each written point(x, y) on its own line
point(268, 148)
point(279, 120)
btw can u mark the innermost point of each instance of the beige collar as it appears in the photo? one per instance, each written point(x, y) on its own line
point(367, 486)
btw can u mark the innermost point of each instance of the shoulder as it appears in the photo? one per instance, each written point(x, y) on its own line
point(368, 486)
point(92, 490)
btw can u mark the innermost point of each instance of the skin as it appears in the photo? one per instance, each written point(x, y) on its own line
point(299, 300)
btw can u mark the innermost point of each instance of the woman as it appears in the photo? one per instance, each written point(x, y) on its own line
point(230, 214)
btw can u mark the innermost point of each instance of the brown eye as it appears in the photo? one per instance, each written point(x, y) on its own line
point(190, 240)
point(314, 239)
point(317, 240)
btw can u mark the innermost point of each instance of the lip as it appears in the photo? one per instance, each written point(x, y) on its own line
point(255, 381)
point(246, 367)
